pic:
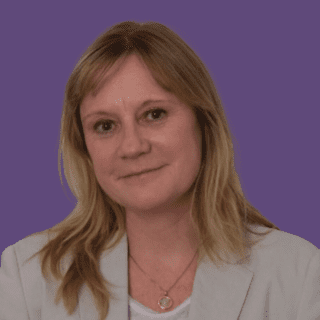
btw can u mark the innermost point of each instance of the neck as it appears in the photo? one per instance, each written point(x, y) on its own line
point(161, 240)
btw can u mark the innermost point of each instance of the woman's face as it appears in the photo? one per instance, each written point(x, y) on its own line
point(125, 137)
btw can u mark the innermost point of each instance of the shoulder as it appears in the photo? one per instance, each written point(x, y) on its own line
point(282, 239)
point(282, 248)
point(28, 246)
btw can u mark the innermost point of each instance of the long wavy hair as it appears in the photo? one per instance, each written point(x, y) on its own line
point(221, 214)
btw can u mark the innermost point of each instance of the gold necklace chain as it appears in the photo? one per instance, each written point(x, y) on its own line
point(165, 302)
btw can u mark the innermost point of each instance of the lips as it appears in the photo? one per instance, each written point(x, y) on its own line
point(145, 171)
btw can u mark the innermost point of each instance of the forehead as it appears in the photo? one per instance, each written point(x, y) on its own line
point(128, 79)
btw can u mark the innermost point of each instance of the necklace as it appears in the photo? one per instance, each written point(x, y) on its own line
point(165, 302)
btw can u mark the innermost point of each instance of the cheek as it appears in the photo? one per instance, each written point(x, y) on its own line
point(98, 150)
point(186, 154)
point(193, 151)
point(100, 158)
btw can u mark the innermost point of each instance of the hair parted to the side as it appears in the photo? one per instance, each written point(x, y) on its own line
point(220, 212)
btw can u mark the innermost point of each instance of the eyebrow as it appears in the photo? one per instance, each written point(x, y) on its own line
point(102, 112)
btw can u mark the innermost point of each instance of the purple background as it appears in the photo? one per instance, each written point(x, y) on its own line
point(262, 55)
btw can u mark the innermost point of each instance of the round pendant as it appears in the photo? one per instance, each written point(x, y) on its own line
point(165, 302)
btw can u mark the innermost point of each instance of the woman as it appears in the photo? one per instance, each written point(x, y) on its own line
point(161, 222)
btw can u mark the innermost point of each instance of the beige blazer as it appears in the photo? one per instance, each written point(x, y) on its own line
point(282, 282)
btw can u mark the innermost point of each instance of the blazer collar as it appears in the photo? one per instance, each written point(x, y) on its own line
point(217, 291)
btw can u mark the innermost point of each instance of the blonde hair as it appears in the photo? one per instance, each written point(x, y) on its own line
point(221, 214)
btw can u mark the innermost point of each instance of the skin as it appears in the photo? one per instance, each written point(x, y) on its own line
point(157, 208)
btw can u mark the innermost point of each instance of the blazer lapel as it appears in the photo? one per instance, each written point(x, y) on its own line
point(114, 268)
point(217, 293)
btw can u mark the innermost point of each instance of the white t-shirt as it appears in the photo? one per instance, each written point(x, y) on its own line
point(138, 311)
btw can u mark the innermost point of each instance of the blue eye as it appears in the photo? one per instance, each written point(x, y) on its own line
point(106, 123)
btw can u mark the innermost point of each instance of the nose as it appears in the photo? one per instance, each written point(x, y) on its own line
point(133, 142)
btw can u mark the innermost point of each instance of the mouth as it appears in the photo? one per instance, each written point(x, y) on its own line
point(139, 173)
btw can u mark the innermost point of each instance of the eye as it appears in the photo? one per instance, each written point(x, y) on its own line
point(106, 123)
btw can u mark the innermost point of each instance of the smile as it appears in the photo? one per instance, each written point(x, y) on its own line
point(144, 176)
